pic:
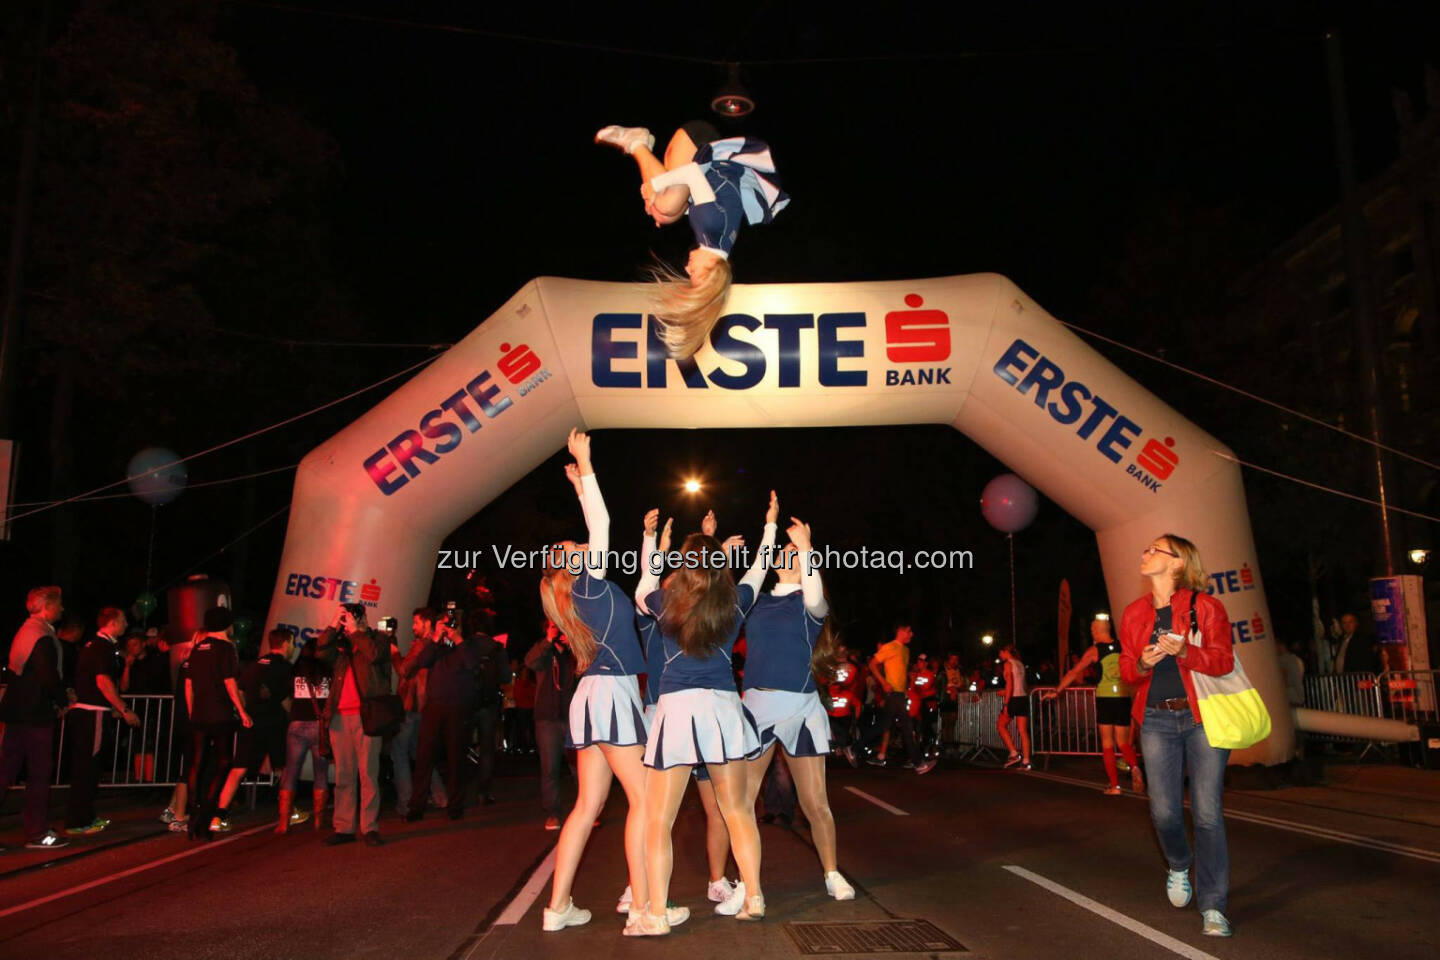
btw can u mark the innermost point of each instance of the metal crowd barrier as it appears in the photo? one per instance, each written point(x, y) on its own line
point(976, 715)
point(1066, 725)
point(122, 744)
point(1353, 693)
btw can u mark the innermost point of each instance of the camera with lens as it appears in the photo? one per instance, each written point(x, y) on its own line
point(451, 619)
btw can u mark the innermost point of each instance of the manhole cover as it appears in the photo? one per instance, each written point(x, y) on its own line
point(887, 936)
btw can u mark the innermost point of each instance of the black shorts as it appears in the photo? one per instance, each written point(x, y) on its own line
point(700, 132)
point(1114, 711)
point(254, 744)
point(1018, 707)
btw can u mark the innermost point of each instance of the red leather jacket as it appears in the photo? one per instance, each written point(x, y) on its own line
point(1214, 656)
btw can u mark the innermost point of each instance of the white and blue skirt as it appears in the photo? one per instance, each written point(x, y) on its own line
point(700, 725)
point(796, 721)
point(606, 709)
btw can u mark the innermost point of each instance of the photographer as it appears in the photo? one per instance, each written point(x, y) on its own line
point(490, 677)
point(450, 694)
point(360, 669)
point(554, 666)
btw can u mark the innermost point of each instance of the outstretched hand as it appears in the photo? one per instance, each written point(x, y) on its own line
point(799, 534)
point(731, 544)
point(664, 545)
point(579, 445)
point(709, 524)
point(572, 473)
point(772, 513)
point(652, 521)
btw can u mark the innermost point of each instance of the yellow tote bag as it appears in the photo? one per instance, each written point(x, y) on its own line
point(1231, 710)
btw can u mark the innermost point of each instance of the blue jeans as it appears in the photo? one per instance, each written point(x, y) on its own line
point(302, 737)
point(402, 758)
point(1172, 742)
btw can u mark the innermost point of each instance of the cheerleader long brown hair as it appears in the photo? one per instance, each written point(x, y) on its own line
point(699, 598)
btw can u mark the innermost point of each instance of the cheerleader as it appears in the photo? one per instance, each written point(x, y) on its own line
point(717, 182)
point(699, 718)
point(717, 838)
point(789, 640)
point(606, 729)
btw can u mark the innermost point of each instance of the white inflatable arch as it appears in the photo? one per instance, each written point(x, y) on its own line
point(373, 503)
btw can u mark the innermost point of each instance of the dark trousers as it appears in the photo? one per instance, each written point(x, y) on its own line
point(550, 740)
point(32, 747)
point(486, 720)
point(211, 745)
point(442, 725)
point(896, 710)
point(778, 791)
point(519, 730)
point(83, 741)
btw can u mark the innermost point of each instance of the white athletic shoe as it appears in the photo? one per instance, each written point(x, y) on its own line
point(626, 899)
point(628, 139)
point(838, 887)
point(1215, 924)
point(720, 890)
point(731, 905)
point(571, 916)
point(1177, 887)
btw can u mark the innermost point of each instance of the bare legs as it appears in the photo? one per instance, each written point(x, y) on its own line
point(597, 765)
point(809, 776)
point(664, 789)
point(1023, 725)
point(737, 806)
point(670, 203)
point(717, 837)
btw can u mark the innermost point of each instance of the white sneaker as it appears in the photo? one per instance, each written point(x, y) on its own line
point(838, 887)
point(571, 916)
point(167, 816)
point(1177, 887)
point(731, 905)
point(219, 825)
point(626, 899)
point(720, 890)
point(1215, 924)
point(642, 924)
point(628, 139)
point(180, 825)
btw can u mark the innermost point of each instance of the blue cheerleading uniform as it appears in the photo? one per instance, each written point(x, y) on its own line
point(732, 181)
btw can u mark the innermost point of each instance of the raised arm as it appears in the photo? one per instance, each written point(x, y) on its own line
point(653, 561)
point(1077, 671)
point(592, 504)
point(755, 576)
point(811, 587)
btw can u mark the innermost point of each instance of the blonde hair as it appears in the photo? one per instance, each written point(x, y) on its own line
point(1192, 572)
point(559, 604)
point(687, 312)
point(36, 599)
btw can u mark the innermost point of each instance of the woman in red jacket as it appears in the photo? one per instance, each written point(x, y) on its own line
point(1158, 655)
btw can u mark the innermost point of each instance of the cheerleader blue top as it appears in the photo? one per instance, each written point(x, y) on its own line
point(732, 181)
point(610, 615)
point(779, 639)
point(649, 632)
point(677, 670)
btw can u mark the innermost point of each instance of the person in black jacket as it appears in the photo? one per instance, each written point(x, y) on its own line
point(491, 676)
point(34, 697)
point(554, 666)
point(449, 707)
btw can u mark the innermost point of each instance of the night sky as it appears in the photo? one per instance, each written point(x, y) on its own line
point(1016, 139)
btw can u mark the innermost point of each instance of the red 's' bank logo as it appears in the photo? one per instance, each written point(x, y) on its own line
point(916, 335)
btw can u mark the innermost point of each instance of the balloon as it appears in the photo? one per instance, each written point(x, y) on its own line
point(155, 477)
point(1009, 503)
point(146, 604)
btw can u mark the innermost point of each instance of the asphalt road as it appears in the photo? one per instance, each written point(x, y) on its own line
point(1010, 865)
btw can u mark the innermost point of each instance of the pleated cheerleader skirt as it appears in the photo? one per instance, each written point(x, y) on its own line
point(700, 726)
point(606, 709)
point(797, 721)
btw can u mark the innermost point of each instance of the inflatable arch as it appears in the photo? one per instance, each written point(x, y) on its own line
point(373, 503)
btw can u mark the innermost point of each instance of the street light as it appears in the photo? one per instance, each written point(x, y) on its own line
point(692, 486)
point(987, 639)
point(1418, 557)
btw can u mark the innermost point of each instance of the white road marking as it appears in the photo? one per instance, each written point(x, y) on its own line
point(1324, 833)
point(1178, 947)
point(90, 885)
point(528, 893)
point(878, 802)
